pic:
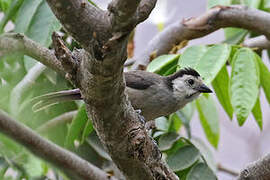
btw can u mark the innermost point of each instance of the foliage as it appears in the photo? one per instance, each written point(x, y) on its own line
point(236, 88)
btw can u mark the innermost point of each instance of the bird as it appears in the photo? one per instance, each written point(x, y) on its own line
point(152, 94)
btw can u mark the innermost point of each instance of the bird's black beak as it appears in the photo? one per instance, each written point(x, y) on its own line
point(204, 89)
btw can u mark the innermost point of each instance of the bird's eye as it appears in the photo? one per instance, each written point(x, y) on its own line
point(191, 81)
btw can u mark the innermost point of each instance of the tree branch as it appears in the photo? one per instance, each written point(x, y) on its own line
point(82, 20)
point(100, 80)
point(71, 164)
point(144, 9)
point(212, 20)
point(259, 169)
point(227, 170)
point(15, 42)
point(126, 14)
point(259, 42)
point(123, 12)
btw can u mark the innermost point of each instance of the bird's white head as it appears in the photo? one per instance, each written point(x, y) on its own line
point(187, 85)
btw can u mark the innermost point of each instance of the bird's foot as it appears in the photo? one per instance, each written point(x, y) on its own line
point(141, 118)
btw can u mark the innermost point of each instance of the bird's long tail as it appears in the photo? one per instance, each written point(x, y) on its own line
point(46, 100)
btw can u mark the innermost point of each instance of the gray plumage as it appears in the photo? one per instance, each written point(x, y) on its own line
point(151, 93)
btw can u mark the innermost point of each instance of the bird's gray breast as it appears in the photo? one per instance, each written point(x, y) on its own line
point(154, 101)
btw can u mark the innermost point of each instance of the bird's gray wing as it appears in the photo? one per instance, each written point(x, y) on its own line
point(140, 79)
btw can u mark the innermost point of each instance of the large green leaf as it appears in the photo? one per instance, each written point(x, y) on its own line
point(77, 127)
point(234, 35)
point(205, 152)
point(201, 172)
point(191, 56)
point(167, 140)
point(183, 158)
point(221, 87)
point(257, 113)
point(43, 24)
point(37, 21)
point(34, 166)
point(185, 114)
point(264, 78)
point(207, 62)
point(162, 123)
point(25, 15)
point(162, 62)
point(212, 61)
point(209, 119)
point(244, 83)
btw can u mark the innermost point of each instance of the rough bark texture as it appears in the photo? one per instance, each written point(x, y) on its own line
point(258, 170)
point(215, 18)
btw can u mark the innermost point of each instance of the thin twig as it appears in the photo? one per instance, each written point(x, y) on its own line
point(227, 170)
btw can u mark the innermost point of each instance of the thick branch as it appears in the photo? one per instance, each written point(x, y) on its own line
point(144, 9)
point(82, 20)
point(73, 165)
point(257, 170)
point(123, 12)
point(217, 17)
point(14, 42)
point(100, 79)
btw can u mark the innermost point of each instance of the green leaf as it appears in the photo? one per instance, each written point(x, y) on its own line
point(244, 83)
point(212, 61)
point(257, 113)
point(253, 3)
point(162, 62)
point(95, 143)
point(266, 4)
point(162, 123)
point(175, 123)
point(87, 130)
point(185, 115)
point(25, 15)
point(209, 119)
point(212, 3)
point(201, 172)
point(207, 63)
point(34, 166)
point(43, 24)
point(221, 87)
point(235, 35)
point(205, 152)
point(167, 140)
point(192, 56)
point(11, 12)
point(39, 24)
point(183, 158)
point(264, 78)
point(76, 129)
point(5, 4)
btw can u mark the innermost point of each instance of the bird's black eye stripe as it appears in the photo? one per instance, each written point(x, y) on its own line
point(191, 81)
